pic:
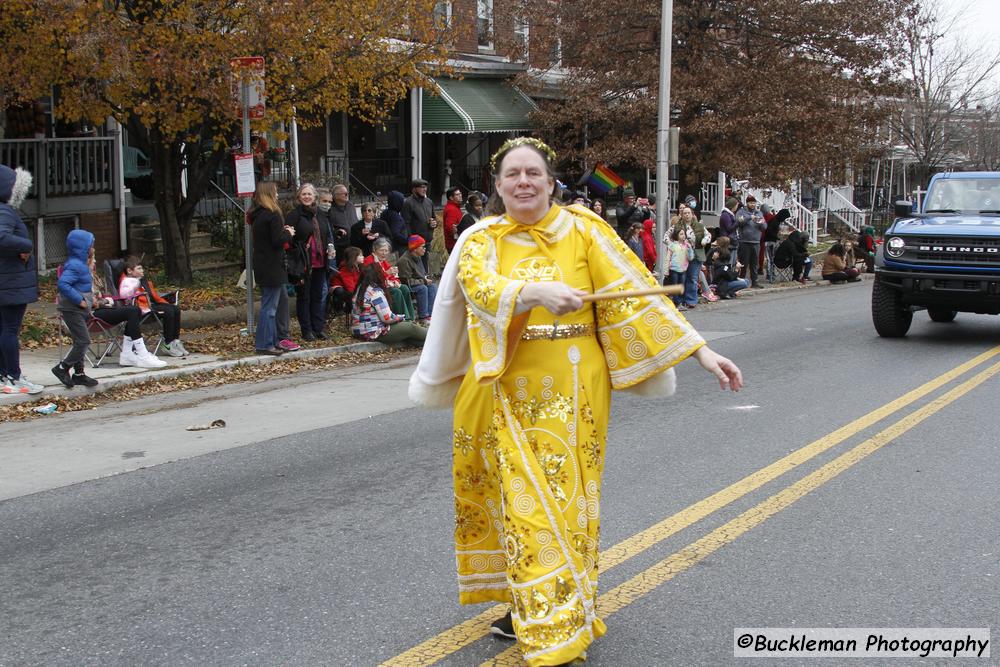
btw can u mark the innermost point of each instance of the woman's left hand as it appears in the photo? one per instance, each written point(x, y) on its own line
point(723, 369)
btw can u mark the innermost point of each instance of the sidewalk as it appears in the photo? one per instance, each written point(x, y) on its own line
point(37, 366)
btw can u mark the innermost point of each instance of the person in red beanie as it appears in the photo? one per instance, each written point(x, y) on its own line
point(412, 272)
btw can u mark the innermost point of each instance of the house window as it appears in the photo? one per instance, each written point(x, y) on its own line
point(555, 55)
point(484, 24)
point(521, 36)
point(388, 138)
point(442, 15)
point(336, 133)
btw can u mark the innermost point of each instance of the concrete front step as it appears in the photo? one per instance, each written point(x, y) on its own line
point(202, 256)
point(220, 268)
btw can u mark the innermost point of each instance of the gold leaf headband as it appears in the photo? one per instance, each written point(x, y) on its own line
point(510, 144)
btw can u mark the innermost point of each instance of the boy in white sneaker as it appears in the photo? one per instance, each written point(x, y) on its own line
point(80, 294)
point(134, 283)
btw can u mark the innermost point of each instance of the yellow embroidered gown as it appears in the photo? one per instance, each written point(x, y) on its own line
point(531, 419)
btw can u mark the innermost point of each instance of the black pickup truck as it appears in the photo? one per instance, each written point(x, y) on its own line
point(945, 258)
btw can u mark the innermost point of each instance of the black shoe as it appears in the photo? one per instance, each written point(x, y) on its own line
point(320, 335)
point(84, 380)
point(757, 286)
point(63, 374)
point(503, 627)
point(272, 351)
point(309, 337)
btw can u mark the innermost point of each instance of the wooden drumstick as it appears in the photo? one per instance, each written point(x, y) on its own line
point(667, 290)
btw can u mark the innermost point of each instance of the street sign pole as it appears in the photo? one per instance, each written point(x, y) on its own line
point(663, 132)
point(247, 229)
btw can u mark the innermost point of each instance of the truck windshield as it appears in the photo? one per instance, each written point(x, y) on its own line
point(963, 195)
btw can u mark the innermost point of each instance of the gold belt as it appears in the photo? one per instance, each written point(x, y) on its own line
point(556, 330)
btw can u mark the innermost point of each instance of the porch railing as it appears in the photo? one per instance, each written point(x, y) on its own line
point(672, 189)
point(843, 209)
point(64, 167)
point(803, 219)
point(380, 175)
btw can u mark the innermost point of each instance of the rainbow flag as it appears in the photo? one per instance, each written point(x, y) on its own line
point(602, 179)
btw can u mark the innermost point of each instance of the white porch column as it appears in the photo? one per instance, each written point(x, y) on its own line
point(416, 131)
point(119, 186)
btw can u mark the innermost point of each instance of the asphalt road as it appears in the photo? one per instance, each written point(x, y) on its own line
point(332, 545)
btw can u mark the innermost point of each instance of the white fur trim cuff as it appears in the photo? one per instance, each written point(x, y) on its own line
point(434, 395)
point(22, 185)
point(660, 385)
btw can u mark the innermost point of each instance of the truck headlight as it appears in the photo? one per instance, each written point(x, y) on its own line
point(895, 247)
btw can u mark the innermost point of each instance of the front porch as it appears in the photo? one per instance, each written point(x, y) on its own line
point(77, 184)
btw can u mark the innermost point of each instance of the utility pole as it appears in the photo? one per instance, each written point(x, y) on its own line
point(247, 236)
point(663, 131)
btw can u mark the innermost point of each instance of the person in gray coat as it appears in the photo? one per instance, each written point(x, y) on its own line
point(418, 213)
point(750, 225)
point(18, 279)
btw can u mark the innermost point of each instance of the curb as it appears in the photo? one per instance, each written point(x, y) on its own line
point(257, 360)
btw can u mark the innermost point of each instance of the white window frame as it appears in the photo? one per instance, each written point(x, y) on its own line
point(522, 31)
point(484, 12)
point(446, 5)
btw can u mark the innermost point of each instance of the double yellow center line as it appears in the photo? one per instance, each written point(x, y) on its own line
point(463, 634)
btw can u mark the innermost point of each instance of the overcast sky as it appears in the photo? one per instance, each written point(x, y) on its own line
point(980, 21)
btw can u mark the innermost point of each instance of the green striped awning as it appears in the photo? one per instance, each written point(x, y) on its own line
point(476, 105)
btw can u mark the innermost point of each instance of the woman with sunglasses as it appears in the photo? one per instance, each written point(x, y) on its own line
point(365, 231)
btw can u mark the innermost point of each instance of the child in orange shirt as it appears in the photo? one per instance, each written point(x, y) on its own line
point(134, 283)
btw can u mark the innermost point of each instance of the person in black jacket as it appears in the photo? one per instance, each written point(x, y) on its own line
point(794, 253)
point(311, 247)
point(270, 236)
point(18, 279)
point(342, 216)
point(627, 213)
point(772, 238)
point(418, 212)
point(723, 268)
point(369, 229)
point(392, 216)
point(474, 211)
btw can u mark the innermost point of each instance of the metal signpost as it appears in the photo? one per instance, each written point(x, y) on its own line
point(249, 72)
point(663, 132)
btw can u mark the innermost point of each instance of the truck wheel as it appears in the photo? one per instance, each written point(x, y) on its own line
point(942, 314)
point(891, 318)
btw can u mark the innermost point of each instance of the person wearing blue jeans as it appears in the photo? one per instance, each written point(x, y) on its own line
point(699, 238)
point(412, 273)
point(18, 279)
point(266, 336)
point(270, 236)
point(729, 289)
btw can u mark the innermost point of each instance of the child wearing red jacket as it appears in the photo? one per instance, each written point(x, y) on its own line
point(344, 281)
point(648, 244)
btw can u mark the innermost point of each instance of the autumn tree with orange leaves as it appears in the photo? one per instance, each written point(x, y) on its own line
point(161, 68)
point(764, 89)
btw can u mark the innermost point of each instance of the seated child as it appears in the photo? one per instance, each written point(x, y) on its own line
point(135, 284)
point(399, 294)
point(344, 281)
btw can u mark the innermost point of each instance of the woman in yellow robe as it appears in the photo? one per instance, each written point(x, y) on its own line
point(531, 412)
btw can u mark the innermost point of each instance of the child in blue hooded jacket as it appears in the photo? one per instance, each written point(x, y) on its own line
point(80, 295)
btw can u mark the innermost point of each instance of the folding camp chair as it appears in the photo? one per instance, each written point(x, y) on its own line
point(114, 269)
point(104, 336)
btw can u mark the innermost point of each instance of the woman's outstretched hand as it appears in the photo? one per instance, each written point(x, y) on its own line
point(723, 369)
point(557, 298)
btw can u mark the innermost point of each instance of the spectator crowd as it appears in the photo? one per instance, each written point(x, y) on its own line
point(374, 265)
